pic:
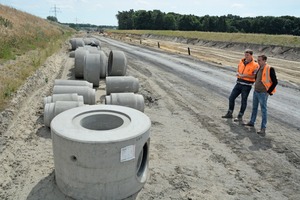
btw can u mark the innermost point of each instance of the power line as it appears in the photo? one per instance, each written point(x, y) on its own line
point(55, 10)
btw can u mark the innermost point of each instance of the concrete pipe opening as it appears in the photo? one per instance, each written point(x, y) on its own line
point(142, 164)
point(117, 63)
point(108, 122)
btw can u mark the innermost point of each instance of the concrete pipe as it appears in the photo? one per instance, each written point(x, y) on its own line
point(76, 42)
point(92, 49)
point(92, 69)
point(120, 84)
point(63, 97)
point(73, 43)
point(72, 54)
point(79, 42)
point(53, 109)
point(73, 82)
point(117, 63)
point(101, 151)
point(103, 64)
point(80, 54)
point(131, 100)
point(87, 41)
point(87, 92)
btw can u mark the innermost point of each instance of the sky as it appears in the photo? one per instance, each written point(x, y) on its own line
point(100, 12)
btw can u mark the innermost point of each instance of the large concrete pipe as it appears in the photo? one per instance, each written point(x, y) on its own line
point(117, 63)
point(85, 91)
point(63, 97)
point(131, 100)
point(79, 62)
point(73, 82)
point(120, 84)
point(101, 152)
point(92, 69)
point(103, 64)
point(53, 109)
point(92, 49)
point(76, 42)
point(91, 42)
point(72, 54)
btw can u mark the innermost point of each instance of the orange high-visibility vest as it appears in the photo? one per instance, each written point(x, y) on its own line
point(248, 69)
point(266, 79)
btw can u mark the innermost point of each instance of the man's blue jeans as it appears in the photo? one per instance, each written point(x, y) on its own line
point(238, 89)
point(260, 98)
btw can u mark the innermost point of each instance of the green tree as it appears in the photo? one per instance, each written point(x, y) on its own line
point(52, 18)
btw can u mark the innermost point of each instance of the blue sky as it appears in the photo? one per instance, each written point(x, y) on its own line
point(100, 12)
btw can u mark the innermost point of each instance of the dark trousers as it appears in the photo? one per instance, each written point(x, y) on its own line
point(238, 89)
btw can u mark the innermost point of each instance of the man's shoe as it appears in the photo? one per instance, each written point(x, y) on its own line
point(262, 132)
point(228, 115)
point(238, 119)
point(249, 124)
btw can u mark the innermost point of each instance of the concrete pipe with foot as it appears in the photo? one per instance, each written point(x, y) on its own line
point(92, 69)
point(131, 100)
point(80, 54)
point(117, 63)
point(63, 97)
point(85, 91)
point(73, 82)
point(103, 64)
point(121, 84)
point(53, 109)
point(101, 151)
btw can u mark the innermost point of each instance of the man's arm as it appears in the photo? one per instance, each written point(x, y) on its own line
point(274, 80)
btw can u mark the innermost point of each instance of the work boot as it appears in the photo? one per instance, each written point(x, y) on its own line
point(262, 132)
point(228, 115)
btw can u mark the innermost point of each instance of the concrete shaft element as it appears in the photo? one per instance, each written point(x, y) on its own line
point(53, 109)
point(117, 63)
point(91, 71)
point(131, 100)
point(101, 151)
point(85, 91)
point(103, 64)
point(121, 84)
point(63, 97)
point(73, 82)
point(79, 62)
point(76, 42)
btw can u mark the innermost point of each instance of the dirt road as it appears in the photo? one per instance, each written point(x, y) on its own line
point(194, 153)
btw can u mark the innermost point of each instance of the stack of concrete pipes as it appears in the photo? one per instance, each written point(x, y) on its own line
point(90, 64)
point(67, 94)
point(101, 151)
point(121, 89)
point(80, 42)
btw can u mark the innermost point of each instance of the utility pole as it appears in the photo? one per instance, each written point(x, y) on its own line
point(55, 10)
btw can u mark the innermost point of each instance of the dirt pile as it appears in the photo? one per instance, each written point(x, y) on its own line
point(288, 53)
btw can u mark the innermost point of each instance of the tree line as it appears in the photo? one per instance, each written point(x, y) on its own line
point(157, 20)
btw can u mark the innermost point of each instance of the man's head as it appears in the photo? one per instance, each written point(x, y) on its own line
point(248, 54)
point(262, 59)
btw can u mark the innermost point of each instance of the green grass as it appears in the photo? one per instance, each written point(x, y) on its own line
point(261, 39)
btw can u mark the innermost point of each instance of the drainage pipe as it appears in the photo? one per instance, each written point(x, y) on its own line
point(120, 84)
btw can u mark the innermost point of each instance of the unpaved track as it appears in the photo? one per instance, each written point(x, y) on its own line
point(194, 153)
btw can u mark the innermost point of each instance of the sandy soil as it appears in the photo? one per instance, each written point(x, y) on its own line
point(194, 154)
